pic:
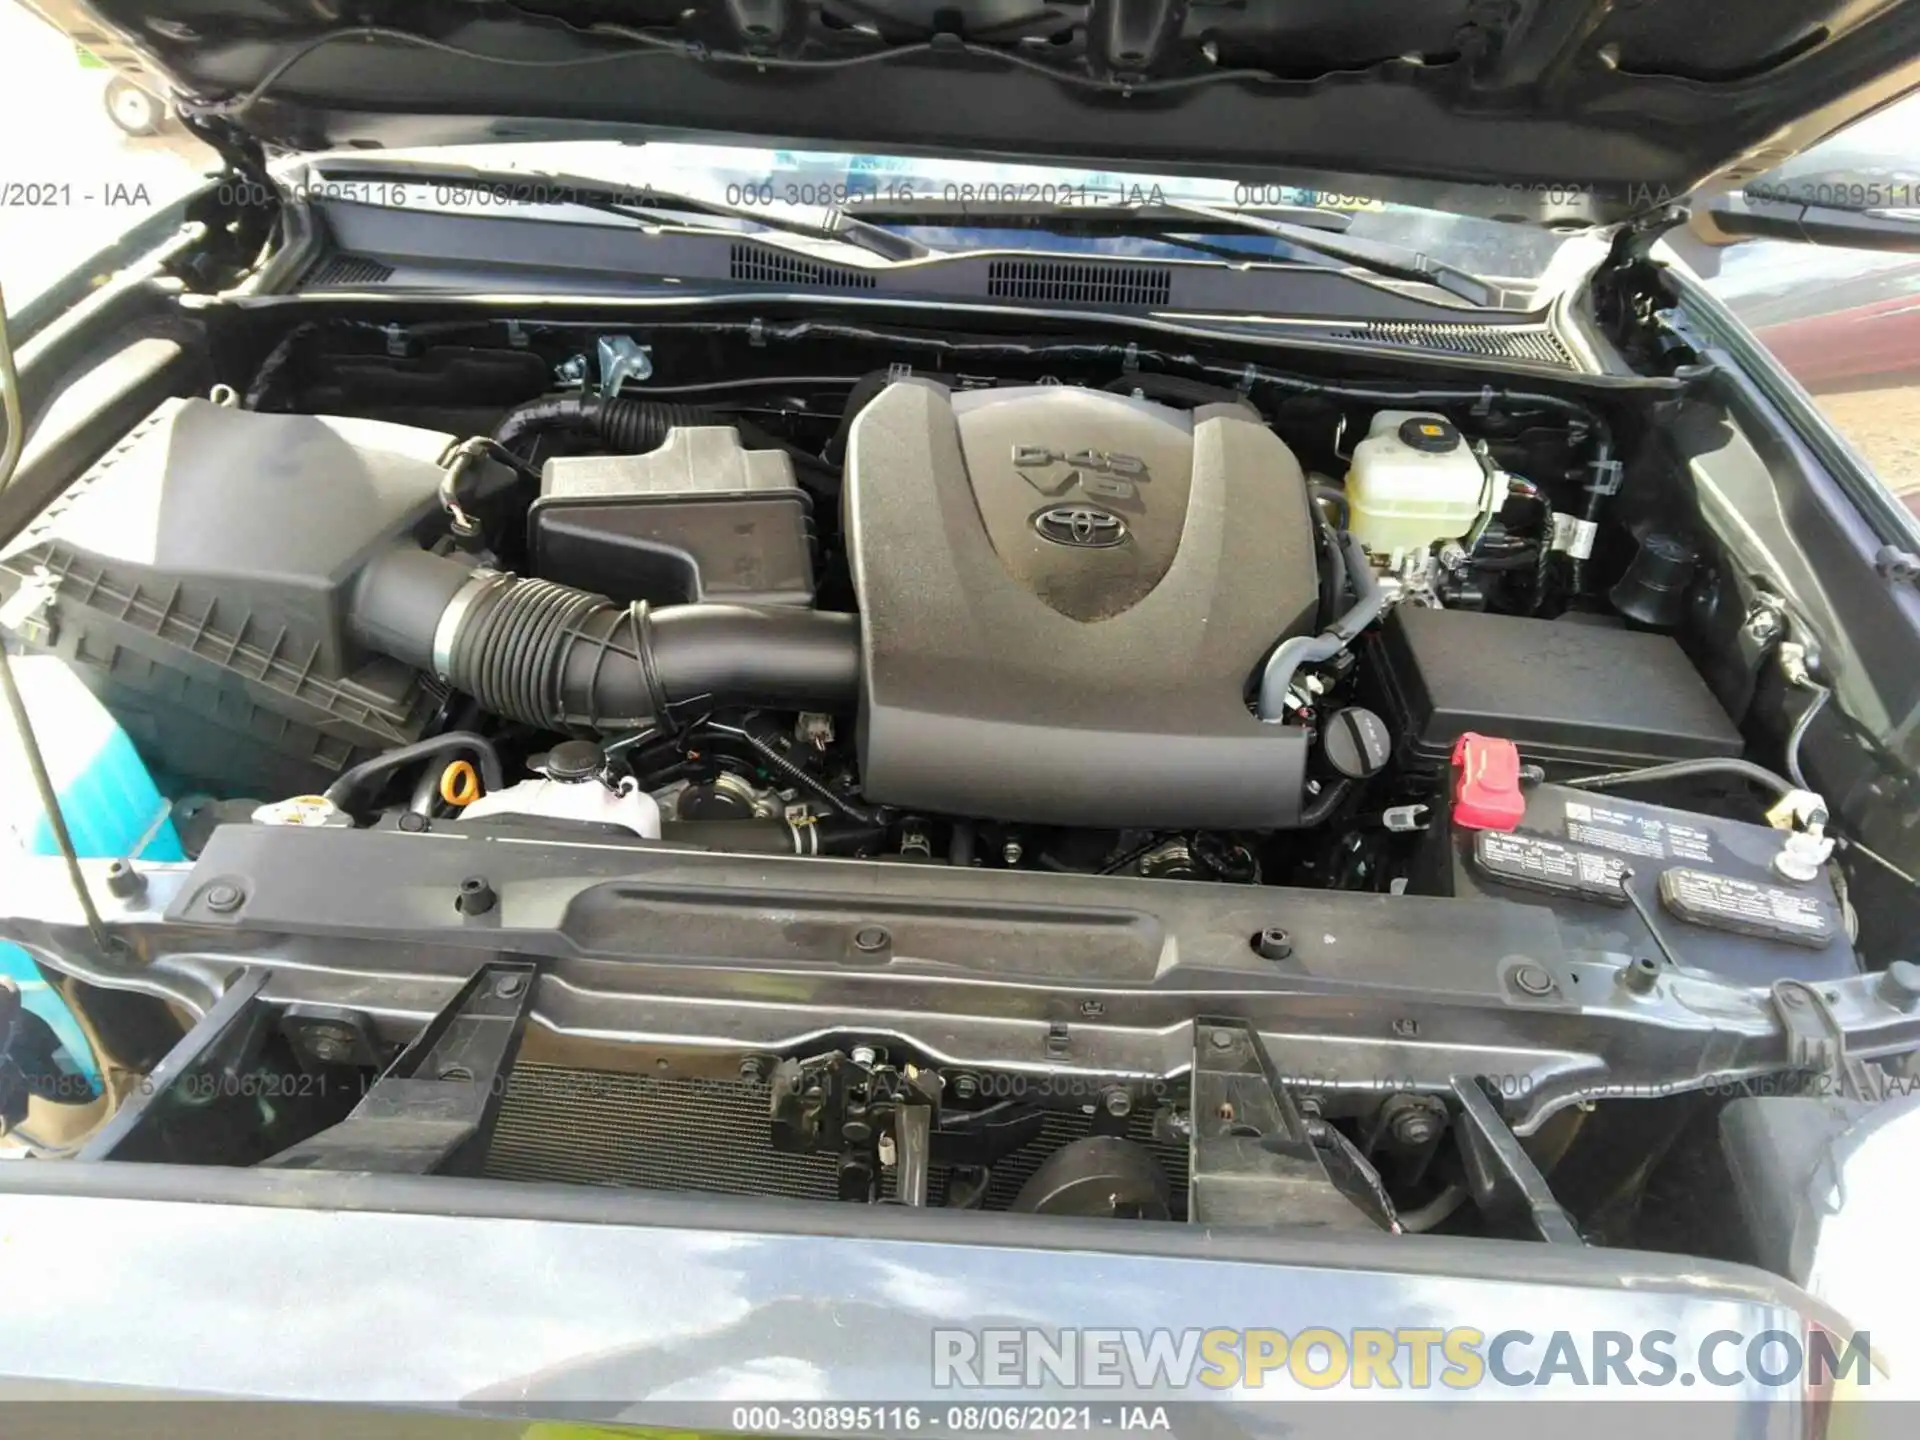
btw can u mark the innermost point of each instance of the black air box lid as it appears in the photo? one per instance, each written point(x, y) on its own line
point(700, 518)
point(198, 577)
point(1582, 696)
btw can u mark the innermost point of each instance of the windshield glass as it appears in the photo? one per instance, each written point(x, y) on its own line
point(878, 187)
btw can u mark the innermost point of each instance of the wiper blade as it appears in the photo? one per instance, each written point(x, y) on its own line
point(646, 201)
point(1394, 261)
point(1149, 219)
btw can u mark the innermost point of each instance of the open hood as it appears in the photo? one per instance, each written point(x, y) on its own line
point(1552, 111)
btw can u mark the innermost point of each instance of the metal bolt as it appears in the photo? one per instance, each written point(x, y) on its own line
point(1406, 1027)
point(871, 938)
point(1222, 1040)
point(863, 1055)
point(1763, 625)
point(1011, 852)
point(1899, 984)
point(412, 822)
point(124, 881)
point(1532, 979)
point(1273, 943)
point(476, 896)
point(1415, 1127)
point(1793, 998)
point(1117, 1103)
point(223, 897)
point(326, 1049)
point(964, 1086)
point(1640, 975)
point(508, 986)
point(753, 1070)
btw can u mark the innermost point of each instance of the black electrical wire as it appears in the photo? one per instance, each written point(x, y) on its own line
point(1821, 694)
point(1688, 769)
point(1882, 861)
point(43, 785)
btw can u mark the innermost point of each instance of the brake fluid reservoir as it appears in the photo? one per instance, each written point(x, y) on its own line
point(1413, 482)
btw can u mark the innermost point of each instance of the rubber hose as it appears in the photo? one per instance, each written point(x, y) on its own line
point(345, 792)
point(555, 657)
point(1320, 808)
point(1291, 654)
point(1333, 574)
point(1333, 494)
point(1684, 770)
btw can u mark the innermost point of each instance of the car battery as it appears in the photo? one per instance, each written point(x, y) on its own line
point(1708, 884)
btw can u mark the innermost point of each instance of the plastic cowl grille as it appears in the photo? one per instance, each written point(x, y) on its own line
point(1495, 342)
point(774, 267)
point(1079, 283)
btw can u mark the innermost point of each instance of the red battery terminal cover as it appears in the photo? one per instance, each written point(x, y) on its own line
point(1486, 792)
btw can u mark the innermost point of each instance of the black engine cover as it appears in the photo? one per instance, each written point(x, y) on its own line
point(1064, 593)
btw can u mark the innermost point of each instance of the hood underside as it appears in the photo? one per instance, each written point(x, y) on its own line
point(1575, 111)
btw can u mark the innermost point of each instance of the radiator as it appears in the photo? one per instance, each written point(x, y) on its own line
point(596, 1127)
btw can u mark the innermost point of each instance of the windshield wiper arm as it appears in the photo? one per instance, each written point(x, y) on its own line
point(1146, 218)
point(645, 201)
point(1394, 261)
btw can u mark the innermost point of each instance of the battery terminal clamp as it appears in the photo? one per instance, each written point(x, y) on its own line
point(1487, 783)
point(1802, 815)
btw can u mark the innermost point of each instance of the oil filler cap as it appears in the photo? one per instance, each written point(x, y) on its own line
point(1486, 790)
point(1357, 742)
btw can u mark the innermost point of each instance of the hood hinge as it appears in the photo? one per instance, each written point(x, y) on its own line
point(1628, 295)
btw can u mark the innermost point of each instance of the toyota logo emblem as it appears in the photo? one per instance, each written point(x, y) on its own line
point(1080, 526)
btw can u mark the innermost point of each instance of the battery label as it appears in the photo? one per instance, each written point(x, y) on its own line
point(1746, 908)
point(1628, 832)
point(1548, 865)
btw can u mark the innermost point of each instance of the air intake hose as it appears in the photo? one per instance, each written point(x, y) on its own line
point(560, 658)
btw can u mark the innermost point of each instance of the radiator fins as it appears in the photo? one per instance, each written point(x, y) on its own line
point(593, 1127)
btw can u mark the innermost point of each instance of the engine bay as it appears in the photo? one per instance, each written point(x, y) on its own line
point(1072, 610)
point(1092, 625)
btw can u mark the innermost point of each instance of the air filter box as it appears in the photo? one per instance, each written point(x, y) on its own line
point(700, 518)
point(197, 579)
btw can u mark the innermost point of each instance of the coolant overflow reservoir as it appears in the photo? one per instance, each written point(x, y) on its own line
point(1413, 481)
